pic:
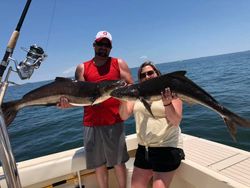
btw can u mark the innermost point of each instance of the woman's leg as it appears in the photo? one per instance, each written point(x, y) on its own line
point(141, 177)
point(162, 179)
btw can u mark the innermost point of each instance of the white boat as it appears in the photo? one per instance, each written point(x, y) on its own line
point(207, 165)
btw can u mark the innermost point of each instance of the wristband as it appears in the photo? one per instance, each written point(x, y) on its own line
point(167, 104)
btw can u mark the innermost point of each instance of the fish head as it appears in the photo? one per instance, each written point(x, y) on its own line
point(106, 87)
point(128, 93)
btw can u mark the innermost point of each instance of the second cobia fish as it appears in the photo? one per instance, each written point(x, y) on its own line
point(185, 89)
point(78, 93)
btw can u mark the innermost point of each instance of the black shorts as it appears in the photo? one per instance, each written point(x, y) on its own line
point(159, 159)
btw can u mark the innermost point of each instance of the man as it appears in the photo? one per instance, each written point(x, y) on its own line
point(104, 137)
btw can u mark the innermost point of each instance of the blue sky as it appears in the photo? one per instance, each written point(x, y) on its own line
point(162, 31)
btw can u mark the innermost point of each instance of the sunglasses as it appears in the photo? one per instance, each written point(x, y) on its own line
point(149, 73)
point(101, 44)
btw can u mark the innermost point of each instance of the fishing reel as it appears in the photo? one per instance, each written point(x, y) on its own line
point(35, 56)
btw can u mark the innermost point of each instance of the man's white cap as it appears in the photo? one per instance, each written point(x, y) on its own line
point(103, 34)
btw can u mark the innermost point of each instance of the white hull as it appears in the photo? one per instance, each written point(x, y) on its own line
point(207, 165)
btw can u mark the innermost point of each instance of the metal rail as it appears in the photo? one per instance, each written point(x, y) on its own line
point(6, 154)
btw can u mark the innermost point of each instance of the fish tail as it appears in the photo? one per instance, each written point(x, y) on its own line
point(9, 111)
point(233, 120)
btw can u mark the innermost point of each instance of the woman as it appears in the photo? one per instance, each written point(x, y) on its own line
point(159, 151)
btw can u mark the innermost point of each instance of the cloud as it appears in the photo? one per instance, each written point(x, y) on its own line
point(70, 71)
point(144, 57)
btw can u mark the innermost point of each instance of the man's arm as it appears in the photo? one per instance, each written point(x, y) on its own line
point(79, 72)
point(126, 107)
point(125, 71)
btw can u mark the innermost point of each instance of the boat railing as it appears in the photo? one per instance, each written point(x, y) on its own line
point(6, 154)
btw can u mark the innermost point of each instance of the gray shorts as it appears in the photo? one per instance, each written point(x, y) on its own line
point(105, 145)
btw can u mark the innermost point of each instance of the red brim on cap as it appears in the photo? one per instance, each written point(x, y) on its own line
point(99, 39)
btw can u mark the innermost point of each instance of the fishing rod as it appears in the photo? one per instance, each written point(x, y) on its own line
point(12, 42)
point(24, 70)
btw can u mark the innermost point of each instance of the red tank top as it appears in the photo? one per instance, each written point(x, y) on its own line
point(107, 112)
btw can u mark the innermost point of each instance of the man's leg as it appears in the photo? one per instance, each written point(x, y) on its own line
point(102, 176)
point(121, 175)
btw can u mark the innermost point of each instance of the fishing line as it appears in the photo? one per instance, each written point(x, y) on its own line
point(50, 24)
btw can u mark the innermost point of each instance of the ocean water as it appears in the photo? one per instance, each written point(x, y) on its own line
point(38, 131)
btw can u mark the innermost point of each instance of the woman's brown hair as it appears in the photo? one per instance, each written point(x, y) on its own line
point(148, 63)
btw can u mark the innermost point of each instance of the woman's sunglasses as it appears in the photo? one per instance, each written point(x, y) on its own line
point(149, 73)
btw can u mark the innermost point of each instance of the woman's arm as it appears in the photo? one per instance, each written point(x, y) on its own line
point(126, 109)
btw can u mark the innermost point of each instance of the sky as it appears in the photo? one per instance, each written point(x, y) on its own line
point(162, 31)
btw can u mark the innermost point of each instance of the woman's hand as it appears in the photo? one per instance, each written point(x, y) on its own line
point(173, 107)
point(167, 96)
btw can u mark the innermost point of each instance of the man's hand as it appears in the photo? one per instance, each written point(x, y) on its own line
point(63, 103)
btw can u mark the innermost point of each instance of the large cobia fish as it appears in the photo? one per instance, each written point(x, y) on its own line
point(186, 90)
point(78, 93)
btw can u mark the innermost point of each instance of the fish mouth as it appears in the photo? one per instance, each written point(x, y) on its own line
point(122, 83)
point(110, 86)
point(117, 84)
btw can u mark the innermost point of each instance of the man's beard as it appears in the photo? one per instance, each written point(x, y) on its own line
point(102, 53)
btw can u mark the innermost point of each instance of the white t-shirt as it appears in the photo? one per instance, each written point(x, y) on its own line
point(155, 132)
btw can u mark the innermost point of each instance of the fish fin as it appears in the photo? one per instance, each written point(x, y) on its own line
point(94, 100)
point(187, 100)
point(62, 79)
point(182, 78)
point(147, 106)
point(99, 100)
point(9, 111)
point(232, 128)
point(176, 73)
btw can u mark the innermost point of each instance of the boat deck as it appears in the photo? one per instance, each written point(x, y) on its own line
point(207, 164)
point(222, 160)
